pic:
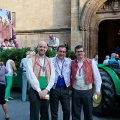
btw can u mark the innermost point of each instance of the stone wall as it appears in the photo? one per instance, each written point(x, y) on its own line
point(31, 39)
point(76, 34)
point(35, 19)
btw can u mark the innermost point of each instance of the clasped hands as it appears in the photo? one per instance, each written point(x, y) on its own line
point(43, 93)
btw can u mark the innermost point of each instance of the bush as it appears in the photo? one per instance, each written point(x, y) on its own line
point(71, 54)
point(4, 55)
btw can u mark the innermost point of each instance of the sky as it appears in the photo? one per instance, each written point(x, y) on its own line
point(5, 13)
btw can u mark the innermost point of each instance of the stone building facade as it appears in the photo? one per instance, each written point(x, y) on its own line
point(72, 21)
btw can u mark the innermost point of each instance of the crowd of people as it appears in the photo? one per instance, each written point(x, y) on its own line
point(50, 80)
point(114, 58)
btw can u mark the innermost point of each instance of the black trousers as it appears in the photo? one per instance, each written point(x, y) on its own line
point(2, 94)
point(82, 97)
point(62, 95)
point(38, 105)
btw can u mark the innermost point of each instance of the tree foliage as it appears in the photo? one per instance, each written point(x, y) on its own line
point(5, 54)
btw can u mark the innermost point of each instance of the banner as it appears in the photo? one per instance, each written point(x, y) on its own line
point(5, 25)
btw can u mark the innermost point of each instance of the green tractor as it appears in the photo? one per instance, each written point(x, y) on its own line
point(110, 89)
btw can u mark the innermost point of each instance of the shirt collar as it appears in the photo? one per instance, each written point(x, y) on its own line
point(40, 57)
point(59, 59)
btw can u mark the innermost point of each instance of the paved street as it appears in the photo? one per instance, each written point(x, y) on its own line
point(19, 110)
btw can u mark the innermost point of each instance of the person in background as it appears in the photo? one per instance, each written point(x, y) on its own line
point(106, 60)
point(53, 42)
point(11, 67)
point(5, 44)
point(117, 57)
point(3, 71)
point(60, 90)
point(41, 76)
point(23, 65)
point(95, 58)
point(84, 73)
point(11, 43)
point(112, 59)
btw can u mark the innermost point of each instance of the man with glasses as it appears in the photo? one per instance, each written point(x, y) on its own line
point(60, 90)
point(84, 73)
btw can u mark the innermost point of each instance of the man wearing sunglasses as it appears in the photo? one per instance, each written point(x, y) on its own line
point(84, 73)
point(60, 90)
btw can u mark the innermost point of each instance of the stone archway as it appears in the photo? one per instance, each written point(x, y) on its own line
point(93, 13)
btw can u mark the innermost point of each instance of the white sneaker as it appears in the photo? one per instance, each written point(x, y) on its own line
point(6, 100)
point(10, 98)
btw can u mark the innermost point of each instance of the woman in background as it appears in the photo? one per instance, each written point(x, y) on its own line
point(10, 65)
point(3, 71)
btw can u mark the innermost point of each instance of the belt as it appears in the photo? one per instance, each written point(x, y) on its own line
point(24, 71)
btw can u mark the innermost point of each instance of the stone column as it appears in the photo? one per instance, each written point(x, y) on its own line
point(75, 32)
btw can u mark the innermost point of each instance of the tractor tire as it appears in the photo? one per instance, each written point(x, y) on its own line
point(108, 96)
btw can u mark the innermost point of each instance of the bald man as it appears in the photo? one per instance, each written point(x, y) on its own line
point(41, 76)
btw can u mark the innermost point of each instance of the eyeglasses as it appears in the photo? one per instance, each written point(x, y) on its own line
point(62, 51)
point(79, 51)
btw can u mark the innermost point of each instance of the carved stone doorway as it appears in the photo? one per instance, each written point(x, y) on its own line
point(91, 17)
point(108, 38)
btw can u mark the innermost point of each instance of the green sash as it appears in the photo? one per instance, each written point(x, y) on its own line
point(42, 82)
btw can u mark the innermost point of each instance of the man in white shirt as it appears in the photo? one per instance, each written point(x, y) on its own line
point(41, 76)
point(106, 60)
point(23, 65)
point(84, 73)
point(95, 59)
point(60, 90)
point(53, 42)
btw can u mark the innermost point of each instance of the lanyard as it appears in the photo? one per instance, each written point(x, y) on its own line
point(0, 67)
point(79, 68)
point(43, 67)
point(59, 66)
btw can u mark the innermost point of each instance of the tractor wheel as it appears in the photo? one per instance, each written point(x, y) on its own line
point(105, 103)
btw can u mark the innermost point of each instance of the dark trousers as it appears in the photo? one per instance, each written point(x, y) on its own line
point(38, 105)
point(2, 94)
point(62, 95)
point(82, 97)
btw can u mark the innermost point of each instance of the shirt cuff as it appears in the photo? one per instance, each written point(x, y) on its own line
point(38, 89)
point(98, 89)
point(48, 88)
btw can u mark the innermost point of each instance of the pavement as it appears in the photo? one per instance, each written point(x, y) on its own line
point(19, 110)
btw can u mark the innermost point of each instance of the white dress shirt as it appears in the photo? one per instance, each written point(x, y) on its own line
point(96, 61)
point(54, 42)
point(106, 61)
point(34, 82)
